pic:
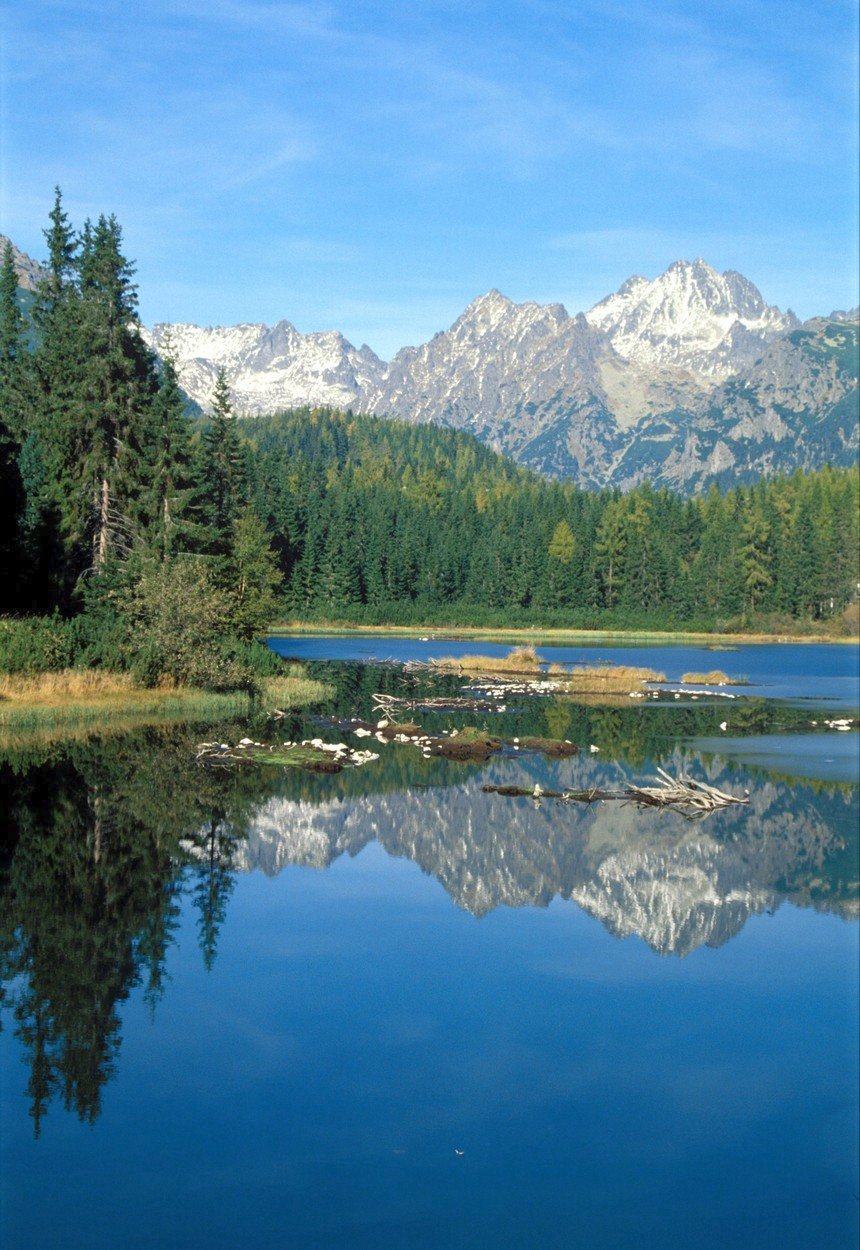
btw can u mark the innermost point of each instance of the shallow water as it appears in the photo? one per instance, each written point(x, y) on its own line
point(825, 673)
point(271, 1008)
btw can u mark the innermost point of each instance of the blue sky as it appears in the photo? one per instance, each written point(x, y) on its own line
point(372, 167)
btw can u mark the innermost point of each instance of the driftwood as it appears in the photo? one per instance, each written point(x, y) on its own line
point(390, 704)
point(684, 794)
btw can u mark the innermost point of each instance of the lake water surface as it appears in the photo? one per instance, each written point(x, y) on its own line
point(386, 1008)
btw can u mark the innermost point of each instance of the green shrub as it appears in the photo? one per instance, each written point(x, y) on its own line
point(36, 644)
point(181, 629)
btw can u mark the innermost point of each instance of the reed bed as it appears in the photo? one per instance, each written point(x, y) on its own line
point(525, 662)
point(716, 677)
point(520, 660)
point(610, 679)
point(91, 697)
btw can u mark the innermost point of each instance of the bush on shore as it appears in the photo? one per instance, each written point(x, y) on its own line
point(173, 624)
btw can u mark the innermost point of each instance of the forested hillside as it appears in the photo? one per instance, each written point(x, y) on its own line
point(135, 535)
point(380, 521)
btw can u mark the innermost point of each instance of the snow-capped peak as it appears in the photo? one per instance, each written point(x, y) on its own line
point(692, 317)
point(270, 367)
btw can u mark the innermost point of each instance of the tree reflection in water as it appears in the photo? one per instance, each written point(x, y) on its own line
point(105, 839)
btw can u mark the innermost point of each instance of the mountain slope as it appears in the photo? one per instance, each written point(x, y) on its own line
point(692, 318)
point(682, 380)
point(269, 368)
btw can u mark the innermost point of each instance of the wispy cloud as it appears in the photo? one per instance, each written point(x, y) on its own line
point(359, 158)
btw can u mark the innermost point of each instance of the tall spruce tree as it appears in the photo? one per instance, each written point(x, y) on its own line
point(11, 486)
point(223, 471)
point(170, 504)
point(55, 408)
point(119, 388)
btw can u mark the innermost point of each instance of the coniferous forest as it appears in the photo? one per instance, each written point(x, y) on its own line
point(136, 535)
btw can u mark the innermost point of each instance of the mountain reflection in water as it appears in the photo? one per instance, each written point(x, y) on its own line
point(104, 840)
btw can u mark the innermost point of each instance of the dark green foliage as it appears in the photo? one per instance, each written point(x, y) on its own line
point(223, 470)
point(36, 644)
point(11, 389)
point(378, 522)
point(114, 514)
point(170, 543)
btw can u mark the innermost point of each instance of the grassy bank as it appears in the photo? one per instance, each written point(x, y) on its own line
point(75, 697)
point(550, 637)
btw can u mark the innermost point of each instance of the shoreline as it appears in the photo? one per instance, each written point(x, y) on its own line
point(37, 703)
point(533, 634)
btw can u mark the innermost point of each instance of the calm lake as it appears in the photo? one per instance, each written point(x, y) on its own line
point(386, 1008)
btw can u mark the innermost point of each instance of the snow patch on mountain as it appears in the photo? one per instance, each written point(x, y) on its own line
point(691, 317)
point(269, 368)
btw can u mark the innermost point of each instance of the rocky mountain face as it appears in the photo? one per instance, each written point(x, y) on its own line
point(676, 885)
point(270, 368)
point(691, 317)
point(27, 270)
point(682, 380)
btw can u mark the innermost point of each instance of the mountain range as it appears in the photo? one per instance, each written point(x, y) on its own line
point(682, 380)
point(676, 885)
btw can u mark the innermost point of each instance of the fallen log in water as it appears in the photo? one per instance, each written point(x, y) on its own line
point(692, 798)
point(388, 704)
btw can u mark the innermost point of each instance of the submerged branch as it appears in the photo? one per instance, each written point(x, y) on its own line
point(685, 794)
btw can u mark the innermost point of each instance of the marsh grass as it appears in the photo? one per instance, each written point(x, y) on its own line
point(525, 662)
point(294, 690)
point(520, 660)
point(610, 679)
point(91, 697)
point(716, 677)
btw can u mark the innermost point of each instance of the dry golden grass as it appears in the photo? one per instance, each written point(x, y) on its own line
point(525, 662)
point(610, 679)
point(75, 697)
point(520, 660)
point(67, 685)
point(716, 677)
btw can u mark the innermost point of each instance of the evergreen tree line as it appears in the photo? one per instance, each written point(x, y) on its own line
point(128, 526)
point(134, 535)
point(379, 521)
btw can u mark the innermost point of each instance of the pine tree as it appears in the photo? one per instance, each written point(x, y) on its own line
point(170, 505)
point(610, 547)
point(11, 331)
point(120, 385)
point(556, 589)
point(223, 470)
point(755, 557)
point(57, 401)
point(11, 487)
point(255, 576)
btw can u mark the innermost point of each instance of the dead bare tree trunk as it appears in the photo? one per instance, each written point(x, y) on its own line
point(103, 535)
